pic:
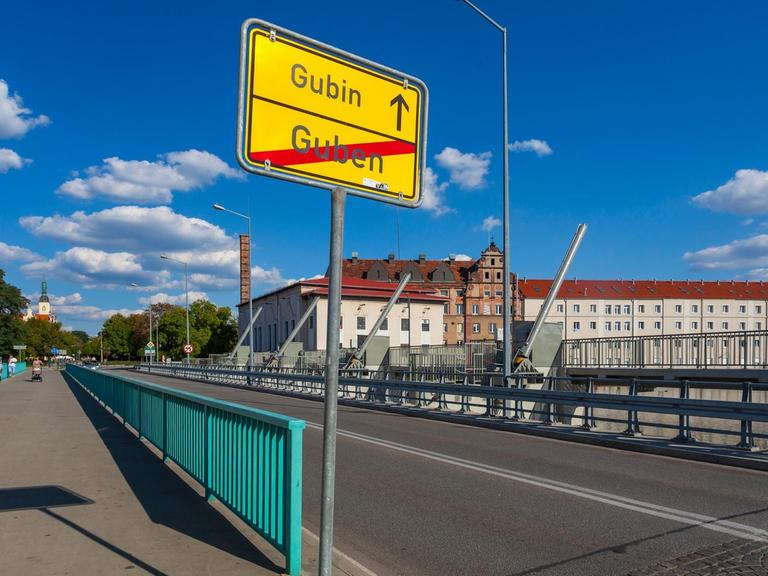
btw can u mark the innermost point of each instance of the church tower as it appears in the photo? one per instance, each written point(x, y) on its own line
point(44, 303)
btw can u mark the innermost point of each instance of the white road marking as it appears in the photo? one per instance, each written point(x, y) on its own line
point(682, 516)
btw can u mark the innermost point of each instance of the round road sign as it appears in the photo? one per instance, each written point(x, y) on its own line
point(188, 348)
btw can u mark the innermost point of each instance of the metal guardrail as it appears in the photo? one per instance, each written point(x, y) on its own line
point(248, 459)
point(745, 349)
point(20, 367)
point(547, 399)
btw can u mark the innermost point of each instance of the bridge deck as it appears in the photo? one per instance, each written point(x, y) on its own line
point(110, 506)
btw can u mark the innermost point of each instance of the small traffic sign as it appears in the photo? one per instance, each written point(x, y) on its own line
point(19, 346)
point(188, 348)
point(150, 344)
point(54, 351)
point(317, 115)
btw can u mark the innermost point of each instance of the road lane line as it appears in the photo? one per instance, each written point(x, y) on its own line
point(691, 518)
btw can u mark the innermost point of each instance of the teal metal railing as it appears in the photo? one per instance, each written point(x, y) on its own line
point(20, 367)
point(248, 459)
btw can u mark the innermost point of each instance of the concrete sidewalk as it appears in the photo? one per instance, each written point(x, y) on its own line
point(105, 503)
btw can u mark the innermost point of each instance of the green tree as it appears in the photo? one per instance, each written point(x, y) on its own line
point(117, 337)
point(12, 305)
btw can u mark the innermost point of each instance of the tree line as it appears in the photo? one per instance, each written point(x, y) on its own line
point(213, 330)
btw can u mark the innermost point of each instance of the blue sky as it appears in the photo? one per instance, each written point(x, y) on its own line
point(117, 133)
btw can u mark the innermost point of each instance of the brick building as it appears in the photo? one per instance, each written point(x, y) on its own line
point(474, 289)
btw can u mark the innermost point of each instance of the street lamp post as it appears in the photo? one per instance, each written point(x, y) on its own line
point(134, 285)
point(507, 304)
point(250, 299)
point(186, 289)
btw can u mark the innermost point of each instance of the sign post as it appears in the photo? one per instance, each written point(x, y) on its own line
point(313, 114)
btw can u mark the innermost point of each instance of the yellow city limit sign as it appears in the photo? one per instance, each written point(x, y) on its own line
point(316, 115)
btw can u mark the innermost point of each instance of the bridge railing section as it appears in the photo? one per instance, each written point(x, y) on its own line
point(745, 349)
point(248, 459)
point(724, 413)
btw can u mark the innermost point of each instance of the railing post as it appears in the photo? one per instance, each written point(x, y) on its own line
point(139, 411)
point(585, 425)
point(632, 420)
point(746, 442)
point(165, 427)
point(293, 499)
point(207, 453)
point(684, 430)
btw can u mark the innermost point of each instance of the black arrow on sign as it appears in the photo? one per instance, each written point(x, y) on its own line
point(401, 103)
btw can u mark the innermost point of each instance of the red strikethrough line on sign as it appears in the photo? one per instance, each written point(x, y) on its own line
point(291, 157)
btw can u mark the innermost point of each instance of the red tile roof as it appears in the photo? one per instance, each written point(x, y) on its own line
point(359, 268)
point(647, 289)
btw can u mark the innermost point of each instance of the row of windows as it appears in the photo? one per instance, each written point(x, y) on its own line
point(627, 309)
point(627, 326)
point(497, 308)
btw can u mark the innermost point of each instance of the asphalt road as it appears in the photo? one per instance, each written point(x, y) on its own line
point(417, 496)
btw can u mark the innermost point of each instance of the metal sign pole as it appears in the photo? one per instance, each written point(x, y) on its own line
point(338, 198)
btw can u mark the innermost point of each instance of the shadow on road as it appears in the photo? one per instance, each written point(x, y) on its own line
point(165, 497)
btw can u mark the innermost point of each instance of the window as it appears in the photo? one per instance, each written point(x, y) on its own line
point(627, 326)
point(341, 322)
point(710, 325)
point(475, 309)
point(657, 308)
point(641, 325)
point(405, 324)
point(742, 309)
point(607, 326)
point(725, 308)
point(641, 308)
point(617, 309)
point(286, 328)
point(593, 325)
point(459, 328)
point(607, 308)
point(758, 309)
point(487, 275)
point(425, 324)
point(576, 326)
point(560, 308)
point(694, 325)
point(758, 325)
point(361, 322)
point(487, 293)
point(724, 325)
point(593, 308)
point(443, 292)
point(487, 309)
point(311, 322)
point(499, 309)
point(695, 308)
point(742, 325)
point(617, 325)
point(445, 327)
point(493, 260)
point(498, 275)
point(710, 309)
point(384, 325)
point(499, 293)
point(678, 325)
point(576, 308)
point(679, 308)
point(446, 308)
point(459, 292)
point(492, 328)
point(657, 325)
point(476, 328)
point(459, 308)
point(627, 309)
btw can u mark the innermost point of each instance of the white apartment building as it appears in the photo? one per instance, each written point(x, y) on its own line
point(416, 318)
point(615, 308)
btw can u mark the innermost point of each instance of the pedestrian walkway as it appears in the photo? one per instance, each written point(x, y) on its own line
point(80, 495)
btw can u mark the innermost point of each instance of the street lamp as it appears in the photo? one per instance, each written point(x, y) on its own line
point(134, 285)
point(250, 300)
point(186, 290)
point(507, 255)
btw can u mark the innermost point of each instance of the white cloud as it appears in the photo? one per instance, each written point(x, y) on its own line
point(9, 253)
point(460, 258)
point(133, 228)
point(178, 299)
point(490, 223)
point(468, 170)
point(745, 193)
point(145, 182)
point(15, 119)
point(74, 298)
point(434, 194)
point(93, 268)
point(748, 253)
point(539, 147)
point(271, 276)
point(10, 160)
point(81, 312)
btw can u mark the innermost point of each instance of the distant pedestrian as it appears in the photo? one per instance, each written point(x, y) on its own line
point(11, 365)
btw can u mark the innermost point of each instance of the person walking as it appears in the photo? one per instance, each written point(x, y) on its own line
point(11, 366)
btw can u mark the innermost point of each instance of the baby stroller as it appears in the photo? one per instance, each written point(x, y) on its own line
point(37, 374)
